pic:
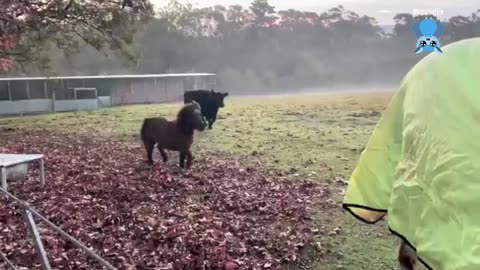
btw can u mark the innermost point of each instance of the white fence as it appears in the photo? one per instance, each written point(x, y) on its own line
point(25, 106)
point(49, 105)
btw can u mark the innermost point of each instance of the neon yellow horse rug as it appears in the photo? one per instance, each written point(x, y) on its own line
point(422, 162)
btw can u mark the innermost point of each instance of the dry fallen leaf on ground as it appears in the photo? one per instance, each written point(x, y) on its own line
point(215, 216)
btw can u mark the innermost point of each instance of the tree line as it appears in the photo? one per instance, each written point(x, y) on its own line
point(260, 48)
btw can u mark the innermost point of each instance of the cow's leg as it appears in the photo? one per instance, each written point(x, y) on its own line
point(149, 147)
point(407, 257)
point(205, 119)
point(162, 152)
point(213, 119)
point(210, 123)
point(189, 159)
point(208, 119)
point(182, 159)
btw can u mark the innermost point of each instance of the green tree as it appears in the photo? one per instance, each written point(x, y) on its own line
point(31, 28)
point(264, 13)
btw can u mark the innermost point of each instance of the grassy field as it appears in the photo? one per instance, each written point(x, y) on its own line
point(317, 136)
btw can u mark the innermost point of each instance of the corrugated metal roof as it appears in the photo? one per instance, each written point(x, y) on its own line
point(109, 76)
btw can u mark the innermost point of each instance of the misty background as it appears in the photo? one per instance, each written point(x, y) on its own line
point(259, 49)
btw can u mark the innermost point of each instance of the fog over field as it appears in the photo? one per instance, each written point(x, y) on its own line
point(265, 47)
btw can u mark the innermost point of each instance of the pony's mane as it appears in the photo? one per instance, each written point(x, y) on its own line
point(185, 112)
point(183, 116)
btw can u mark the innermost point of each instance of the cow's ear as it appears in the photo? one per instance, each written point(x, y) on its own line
point(225, 94)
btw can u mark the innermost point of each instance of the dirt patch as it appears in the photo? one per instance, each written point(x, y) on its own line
point(365, 114)
point(219, 215)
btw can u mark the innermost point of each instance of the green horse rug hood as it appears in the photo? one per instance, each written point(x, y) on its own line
point(421, 165)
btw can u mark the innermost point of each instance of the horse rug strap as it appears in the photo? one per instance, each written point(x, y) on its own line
point(421, 165)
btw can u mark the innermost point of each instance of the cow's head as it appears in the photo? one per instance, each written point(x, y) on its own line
point(218, 97)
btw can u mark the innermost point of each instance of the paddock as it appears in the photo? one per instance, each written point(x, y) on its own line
point(316, 137)
point(27, 95)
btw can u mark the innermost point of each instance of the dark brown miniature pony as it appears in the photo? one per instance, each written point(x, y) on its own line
point(174, 135)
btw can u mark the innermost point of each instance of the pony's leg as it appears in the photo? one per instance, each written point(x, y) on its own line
point(189, 159)
point(407, 257)
point(149, 147)
point(162, 152)
point(182, 159)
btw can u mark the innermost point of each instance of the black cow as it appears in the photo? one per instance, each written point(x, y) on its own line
point(210, 101)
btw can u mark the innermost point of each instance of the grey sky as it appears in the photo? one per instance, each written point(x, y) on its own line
point(382, 10)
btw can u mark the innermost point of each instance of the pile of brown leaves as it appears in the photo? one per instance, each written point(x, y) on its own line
point(218, 215)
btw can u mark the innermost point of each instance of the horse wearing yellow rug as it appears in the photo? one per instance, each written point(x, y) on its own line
point(421, 165)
